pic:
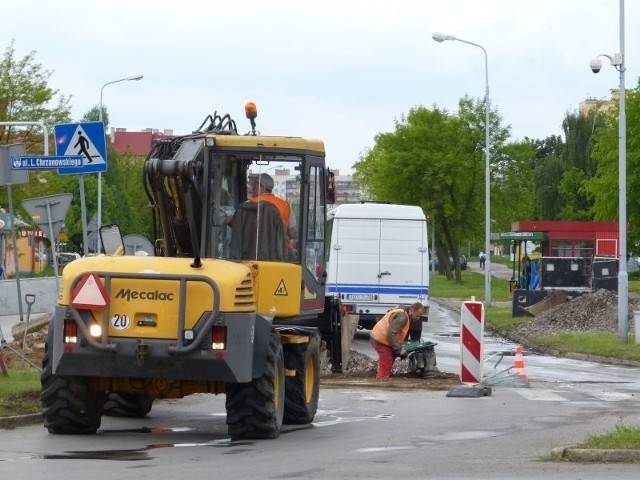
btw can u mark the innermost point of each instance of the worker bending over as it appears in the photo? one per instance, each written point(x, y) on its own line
point(389, 334)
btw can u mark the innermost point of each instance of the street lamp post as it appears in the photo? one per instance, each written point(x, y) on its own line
point(441, 37)
point(99, 214)
point(617, 61)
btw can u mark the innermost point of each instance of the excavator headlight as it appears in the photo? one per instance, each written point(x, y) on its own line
point(210, 142)
point(188, 335)
point(95, 330)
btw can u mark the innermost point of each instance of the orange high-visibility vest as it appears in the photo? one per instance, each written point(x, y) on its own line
point(279, 203)
point(381, 329)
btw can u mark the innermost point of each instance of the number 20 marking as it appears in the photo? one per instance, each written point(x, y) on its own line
point(120, 322)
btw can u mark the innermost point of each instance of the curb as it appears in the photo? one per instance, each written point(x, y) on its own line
point(9, 423)
point(572, 453)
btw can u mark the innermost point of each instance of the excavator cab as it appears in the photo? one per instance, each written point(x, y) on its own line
point(198, 186)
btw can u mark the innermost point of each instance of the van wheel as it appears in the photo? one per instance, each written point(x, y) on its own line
point(256, 409)
point(127, 404)
point(70, 405)
point(303, 390)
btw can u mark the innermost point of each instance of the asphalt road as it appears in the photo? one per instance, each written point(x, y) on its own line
point(357, 433)
point(360, 432)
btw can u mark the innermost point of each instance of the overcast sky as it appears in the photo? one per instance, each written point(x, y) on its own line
point(341, 71)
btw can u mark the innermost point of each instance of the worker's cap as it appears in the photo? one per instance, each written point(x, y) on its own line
point(263, 179)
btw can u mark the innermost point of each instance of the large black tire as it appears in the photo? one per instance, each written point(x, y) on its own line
point(256, 409)
point(69, 404)
point(303, 390)
point(126, 404)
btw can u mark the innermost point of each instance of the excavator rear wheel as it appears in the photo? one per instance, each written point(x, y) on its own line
point(256, 409)
point(70, 405)
point(302, 390)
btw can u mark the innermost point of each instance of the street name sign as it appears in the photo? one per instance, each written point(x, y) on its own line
point(46, 162)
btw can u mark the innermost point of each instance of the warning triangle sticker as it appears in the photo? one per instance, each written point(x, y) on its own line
point(281, 290)
point(81, 144)
point(90, 294)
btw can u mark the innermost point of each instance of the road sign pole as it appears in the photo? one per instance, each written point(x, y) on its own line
point(51, 236)
point(15, 249)
point(83, 215)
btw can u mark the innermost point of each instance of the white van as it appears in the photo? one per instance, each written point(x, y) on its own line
point(378, 258)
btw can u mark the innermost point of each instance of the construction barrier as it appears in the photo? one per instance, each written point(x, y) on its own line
point(471, 342)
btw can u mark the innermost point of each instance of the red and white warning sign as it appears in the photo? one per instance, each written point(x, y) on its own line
point(471, 341)
point(90, 294)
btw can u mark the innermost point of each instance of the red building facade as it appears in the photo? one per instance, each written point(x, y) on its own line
point(574, 239)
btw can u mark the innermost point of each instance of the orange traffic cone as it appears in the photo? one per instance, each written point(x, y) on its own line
point(518, 365)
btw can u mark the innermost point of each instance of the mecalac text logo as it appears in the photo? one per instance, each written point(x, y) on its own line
point(129, 295)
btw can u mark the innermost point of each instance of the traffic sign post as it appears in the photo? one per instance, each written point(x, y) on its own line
point(82, 139)
point(87, 140)
point(8, 177)
point(49, 211)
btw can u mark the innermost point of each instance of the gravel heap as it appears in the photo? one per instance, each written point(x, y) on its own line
point(590, 312)
point(362, 365)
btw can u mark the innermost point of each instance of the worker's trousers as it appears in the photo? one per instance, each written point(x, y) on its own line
point(385, 359)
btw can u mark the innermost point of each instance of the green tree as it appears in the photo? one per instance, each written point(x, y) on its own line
point(93, 115)
point(548, 175)
point(578, 165)
point(434, 159)
point(513, 185)
point(26, 97)
point(124, 200)
point(604, 186)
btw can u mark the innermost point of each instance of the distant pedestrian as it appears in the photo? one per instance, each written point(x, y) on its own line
point(482, 257)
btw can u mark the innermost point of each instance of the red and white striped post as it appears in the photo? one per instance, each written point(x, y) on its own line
point(471, 341)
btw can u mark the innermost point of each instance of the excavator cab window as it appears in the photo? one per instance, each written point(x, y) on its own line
point(229, 187)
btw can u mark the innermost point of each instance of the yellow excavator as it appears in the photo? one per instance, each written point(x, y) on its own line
point(232, 301)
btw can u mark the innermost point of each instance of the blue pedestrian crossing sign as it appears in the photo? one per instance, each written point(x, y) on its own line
point(85, 139)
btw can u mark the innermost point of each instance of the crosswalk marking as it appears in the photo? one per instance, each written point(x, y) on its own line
point(540, 395)
point(576, 393)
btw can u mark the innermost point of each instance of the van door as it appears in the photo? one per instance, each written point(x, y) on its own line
point(403, 271)
point(355, 259)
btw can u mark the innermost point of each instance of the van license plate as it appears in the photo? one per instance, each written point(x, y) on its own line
point(360, 297)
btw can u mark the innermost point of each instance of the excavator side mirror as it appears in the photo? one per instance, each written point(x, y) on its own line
point(331, 187)
point(111, 240)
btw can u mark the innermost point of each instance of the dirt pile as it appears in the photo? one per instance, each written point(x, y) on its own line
point(590, 312)
point(361, 371)
point(33, 351)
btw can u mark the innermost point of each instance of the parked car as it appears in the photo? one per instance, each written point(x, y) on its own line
point(63, 258)
point(435, 263)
